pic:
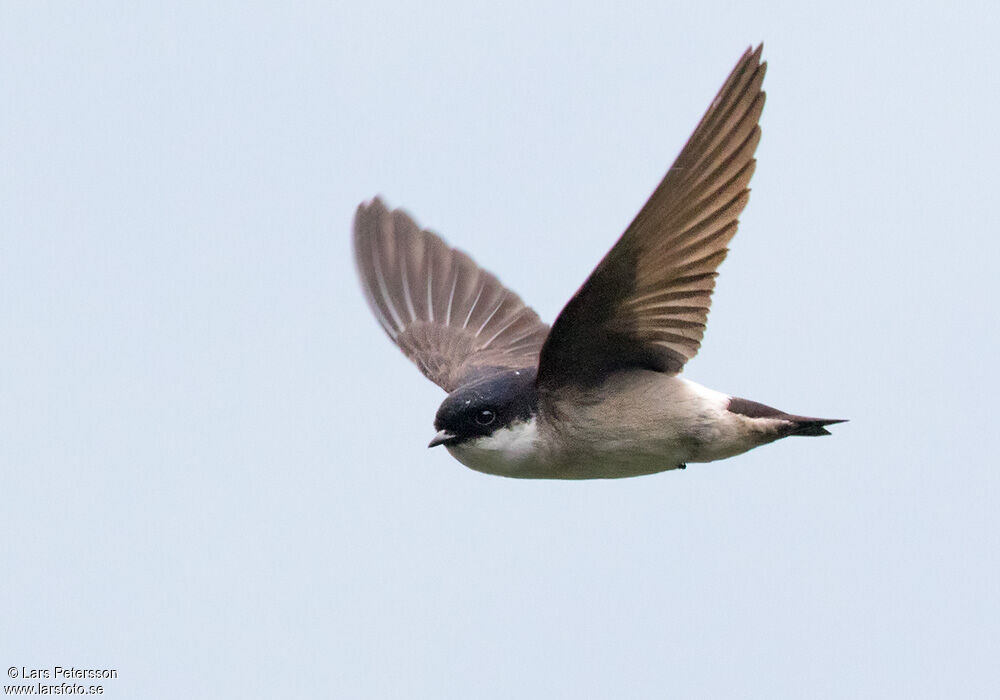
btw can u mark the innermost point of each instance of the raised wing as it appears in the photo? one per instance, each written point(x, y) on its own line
point(646, 303)
point(451, 317)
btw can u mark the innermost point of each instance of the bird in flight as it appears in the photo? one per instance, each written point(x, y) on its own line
point(598, 394)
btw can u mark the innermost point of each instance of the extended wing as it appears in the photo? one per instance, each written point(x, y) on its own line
point(451, 317)
point(646, 303)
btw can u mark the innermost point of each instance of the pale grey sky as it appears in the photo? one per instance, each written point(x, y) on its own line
point(213, 461)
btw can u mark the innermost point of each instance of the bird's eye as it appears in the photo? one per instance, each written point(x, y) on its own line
point(485, 417)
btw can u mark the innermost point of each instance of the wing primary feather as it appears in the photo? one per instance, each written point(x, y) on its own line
point(727, 188)
point(451, 298)
point(430, 289)
point(384, 290)
point(647, 302)
point(671, 295)
point(407, 297)
point(472, 307)
point(709, 137)
point(732, 153)
point(493, 313)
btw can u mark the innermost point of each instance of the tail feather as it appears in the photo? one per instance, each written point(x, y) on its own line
point(811, 426)
point(800, 425)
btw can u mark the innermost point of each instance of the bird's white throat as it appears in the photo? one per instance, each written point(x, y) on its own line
point(507, 451)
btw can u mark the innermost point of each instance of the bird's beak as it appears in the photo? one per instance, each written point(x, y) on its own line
point(442, 438)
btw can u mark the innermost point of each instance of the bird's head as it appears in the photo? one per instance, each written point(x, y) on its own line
point(489, 404)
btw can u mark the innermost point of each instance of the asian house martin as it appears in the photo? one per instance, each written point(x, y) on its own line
point(598, 394)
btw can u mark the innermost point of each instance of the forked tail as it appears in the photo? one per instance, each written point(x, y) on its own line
point(800, 425)
point(811, 426)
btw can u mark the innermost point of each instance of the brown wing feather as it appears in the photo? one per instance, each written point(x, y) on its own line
point(451, 317)
point(646, 303)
